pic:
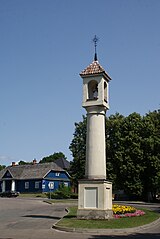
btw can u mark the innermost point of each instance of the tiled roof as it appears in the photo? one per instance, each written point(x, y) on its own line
point(63, 163)
point(94, 68)
point(30, 171)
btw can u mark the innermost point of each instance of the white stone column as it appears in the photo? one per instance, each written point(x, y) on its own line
point(95, 143)
point(3, 186)
point(13, 186)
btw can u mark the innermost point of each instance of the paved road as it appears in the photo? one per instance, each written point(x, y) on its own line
point(24, 219)
point(33, 219)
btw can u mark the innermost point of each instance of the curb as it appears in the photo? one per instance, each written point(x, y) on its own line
point(107, 231)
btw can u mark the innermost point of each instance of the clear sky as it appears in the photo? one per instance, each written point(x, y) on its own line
point(45, 44)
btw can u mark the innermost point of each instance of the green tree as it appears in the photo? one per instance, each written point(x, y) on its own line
point(2, 167)
point(114, 148)
point(78, 149)
point(151, 153)
point(124, 154)
point(24, 162)
point(52, 157)
point(132, 166)
point(133, 152)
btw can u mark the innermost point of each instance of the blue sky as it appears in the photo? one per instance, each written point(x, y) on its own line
point(45, 44)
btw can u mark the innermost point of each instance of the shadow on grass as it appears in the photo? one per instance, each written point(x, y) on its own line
point(133, 236)
point(70, 216)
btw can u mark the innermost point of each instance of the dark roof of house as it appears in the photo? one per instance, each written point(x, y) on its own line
point(63, 163)
point(33, 171)
point(93, 69)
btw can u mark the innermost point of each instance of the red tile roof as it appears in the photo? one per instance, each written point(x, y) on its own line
point(94, 68)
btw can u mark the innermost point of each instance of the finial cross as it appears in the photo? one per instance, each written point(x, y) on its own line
point(95, 40)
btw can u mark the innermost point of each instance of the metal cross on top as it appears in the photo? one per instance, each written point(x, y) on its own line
point(95, 40)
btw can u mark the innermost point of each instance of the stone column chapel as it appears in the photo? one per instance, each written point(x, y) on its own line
point(95, 192)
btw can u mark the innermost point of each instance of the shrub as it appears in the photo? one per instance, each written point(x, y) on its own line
point(62, 193)
point(74, 195)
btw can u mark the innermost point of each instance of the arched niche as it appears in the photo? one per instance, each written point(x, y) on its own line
point(93, 90)
point(105, 91)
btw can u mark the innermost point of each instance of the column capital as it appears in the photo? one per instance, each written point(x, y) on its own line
point(96, 110)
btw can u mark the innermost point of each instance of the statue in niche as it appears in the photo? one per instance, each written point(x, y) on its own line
point(92, 90)
point(95, 93)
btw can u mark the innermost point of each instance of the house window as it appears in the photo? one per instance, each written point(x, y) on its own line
point(37, 184)
point(65, 184)
point(57, 174)
point(26, 185)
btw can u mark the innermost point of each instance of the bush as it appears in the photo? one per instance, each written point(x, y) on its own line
point(74, 195)
point(62, 193)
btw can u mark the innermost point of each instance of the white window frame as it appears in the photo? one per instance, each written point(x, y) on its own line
point(57, 174)
point(37, 184)
point(66, 184)
point(26, 185)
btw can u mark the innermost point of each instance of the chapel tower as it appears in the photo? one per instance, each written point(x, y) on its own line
point(95, 193)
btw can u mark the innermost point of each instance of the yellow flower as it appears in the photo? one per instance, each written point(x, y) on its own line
point(122, 209)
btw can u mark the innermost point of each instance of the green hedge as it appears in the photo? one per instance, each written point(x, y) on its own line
point(62, 193)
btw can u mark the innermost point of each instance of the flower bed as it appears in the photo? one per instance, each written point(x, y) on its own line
point(120, 211)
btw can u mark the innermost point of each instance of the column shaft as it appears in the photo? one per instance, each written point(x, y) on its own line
point(95, 145)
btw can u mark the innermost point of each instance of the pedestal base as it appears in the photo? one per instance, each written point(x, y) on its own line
point(94, 214)
point(95, 199)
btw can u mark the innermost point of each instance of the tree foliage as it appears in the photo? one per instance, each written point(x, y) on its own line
point(151, 152)
point(2, 167)
point(133, 152)
point(24, 162)
point(78, 149)
point(127, 158)
point(52, 157)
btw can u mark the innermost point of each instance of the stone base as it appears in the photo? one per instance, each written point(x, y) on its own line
point(95, 199)
point(94, 214)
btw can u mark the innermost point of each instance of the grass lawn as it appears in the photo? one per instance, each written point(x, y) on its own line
point(67, 201)
point(71, 221)
point(43, 195)
point(33, 195)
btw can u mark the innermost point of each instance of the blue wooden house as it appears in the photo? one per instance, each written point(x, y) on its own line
point(33, 178)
